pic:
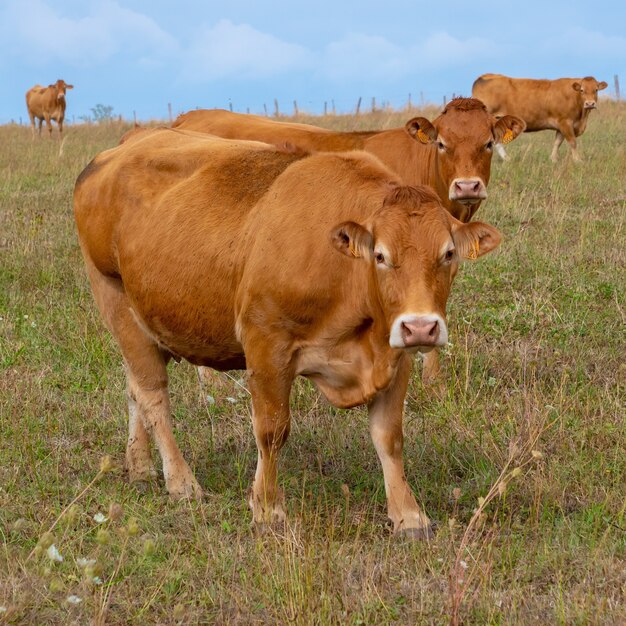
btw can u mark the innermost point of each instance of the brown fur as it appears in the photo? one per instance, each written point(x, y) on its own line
point(47, 103)
point(235, 254)
point(464, 124)
point(543, 104)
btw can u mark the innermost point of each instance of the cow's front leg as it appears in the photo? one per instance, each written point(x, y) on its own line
point(558, 140)
point(385, 417)
point(270, 384)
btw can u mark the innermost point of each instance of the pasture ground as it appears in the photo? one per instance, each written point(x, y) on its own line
point(538, 335)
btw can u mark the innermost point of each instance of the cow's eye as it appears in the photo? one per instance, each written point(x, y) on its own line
point(489, 145)
point(449, 255)
point(440, 145)
point(380, 258)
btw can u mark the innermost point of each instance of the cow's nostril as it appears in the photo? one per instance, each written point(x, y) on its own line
point(434, 329)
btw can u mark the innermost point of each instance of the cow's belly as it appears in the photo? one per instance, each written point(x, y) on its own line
point(350, 374)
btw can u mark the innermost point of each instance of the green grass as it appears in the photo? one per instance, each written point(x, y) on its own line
point(539, 343)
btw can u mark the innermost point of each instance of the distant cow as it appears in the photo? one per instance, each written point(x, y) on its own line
point(563, 104)
point(233, 254)
point(452, 154)
point(47, 103)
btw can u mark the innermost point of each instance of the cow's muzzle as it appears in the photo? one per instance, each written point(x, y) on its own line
point(467, 190)
point(590, 104)
point(419, 332)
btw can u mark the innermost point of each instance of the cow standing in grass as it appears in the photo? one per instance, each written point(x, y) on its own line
point(233, 255)
point(47, 103)
point(452, 154)
point(562, 105)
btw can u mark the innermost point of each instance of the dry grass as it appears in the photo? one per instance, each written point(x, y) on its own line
point(537, 364)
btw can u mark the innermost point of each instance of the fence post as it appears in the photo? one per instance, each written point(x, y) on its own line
point(325, 107)
point(409, 104)
point(444, 101)
point(617, 94)
point(276, 111)
point(169, 111)
point(358, 106)
point(295, 108)
point(265, 109)
point(135, 119)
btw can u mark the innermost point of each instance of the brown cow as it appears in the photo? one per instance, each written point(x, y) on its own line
point(563, 104)
point(47, 103)
point(452, 154)
point(233, 254)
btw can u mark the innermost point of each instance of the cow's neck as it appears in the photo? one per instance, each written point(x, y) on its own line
point(581, 123)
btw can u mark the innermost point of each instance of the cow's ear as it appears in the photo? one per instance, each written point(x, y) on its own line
point(352, 239)
point(421, 129)
point(69, 86)
point(577, 86)
point(507, 128)
point(474, 239)
point(602, 85)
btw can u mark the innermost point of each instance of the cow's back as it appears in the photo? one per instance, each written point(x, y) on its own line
point(255, 127)
point(541, 103)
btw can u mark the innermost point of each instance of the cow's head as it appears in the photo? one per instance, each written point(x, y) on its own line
point(588, 88)
point(413, 247)
point(463, 137)
point(61, 86)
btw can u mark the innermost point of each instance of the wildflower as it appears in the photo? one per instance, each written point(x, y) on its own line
point(85, 562)
point(516, 472)
point(99, 518)
point(501, 488)
point(54, 554)
point(116, 511)
point(103, 537)
point(345, 490)
point(232, 401)
point(451, 523)
point(456, 493)
point(133, 526)
point(537, 454)
point(148, 547)
point(74, 599)
point(106, 463)
point(210, 399)
point(463, 564)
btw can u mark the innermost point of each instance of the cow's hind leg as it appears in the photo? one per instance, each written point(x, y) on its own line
point(385, 416)
point(149, 406)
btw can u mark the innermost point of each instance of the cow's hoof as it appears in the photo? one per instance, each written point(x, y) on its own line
point(425, 533)
point(143, 475)
point(188, 490)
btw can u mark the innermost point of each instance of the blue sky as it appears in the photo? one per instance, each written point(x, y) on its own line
point(138, 55)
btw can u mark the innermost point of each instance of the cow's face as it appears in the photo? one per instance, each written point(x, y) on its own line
point(413, 246)
point(588, 89)
point(464, 136)
point(61, 87)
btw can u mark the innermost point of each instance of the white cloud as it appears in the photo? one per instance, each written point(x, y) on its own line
point(40, 35)
point(238, 51)
point(580, 42)
point(359, 56)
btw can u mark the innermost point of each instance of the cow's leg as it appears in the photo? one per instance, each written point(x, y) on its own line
point(558, 140)
point(49, 125)
point(40, 124)
point(270, 382)
point(147, 389)
point(32, 122)
point(385, 417)
point(60, 123)
point(501, 152)
point(567, 130)
point(138, 458)
point(431, 367)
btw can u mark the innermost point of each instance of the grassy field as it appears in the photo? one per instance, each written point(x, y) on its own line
point(532, 418)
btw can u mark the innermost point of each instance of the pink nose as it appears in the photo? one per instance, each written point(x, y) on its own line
point(420, 332)
point(468, 188)
point(590, 104)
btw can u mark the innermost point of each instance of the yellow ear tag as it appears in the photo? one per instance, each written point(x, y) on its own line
point(508, 136)
point(473, 253)
point(422, 136)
